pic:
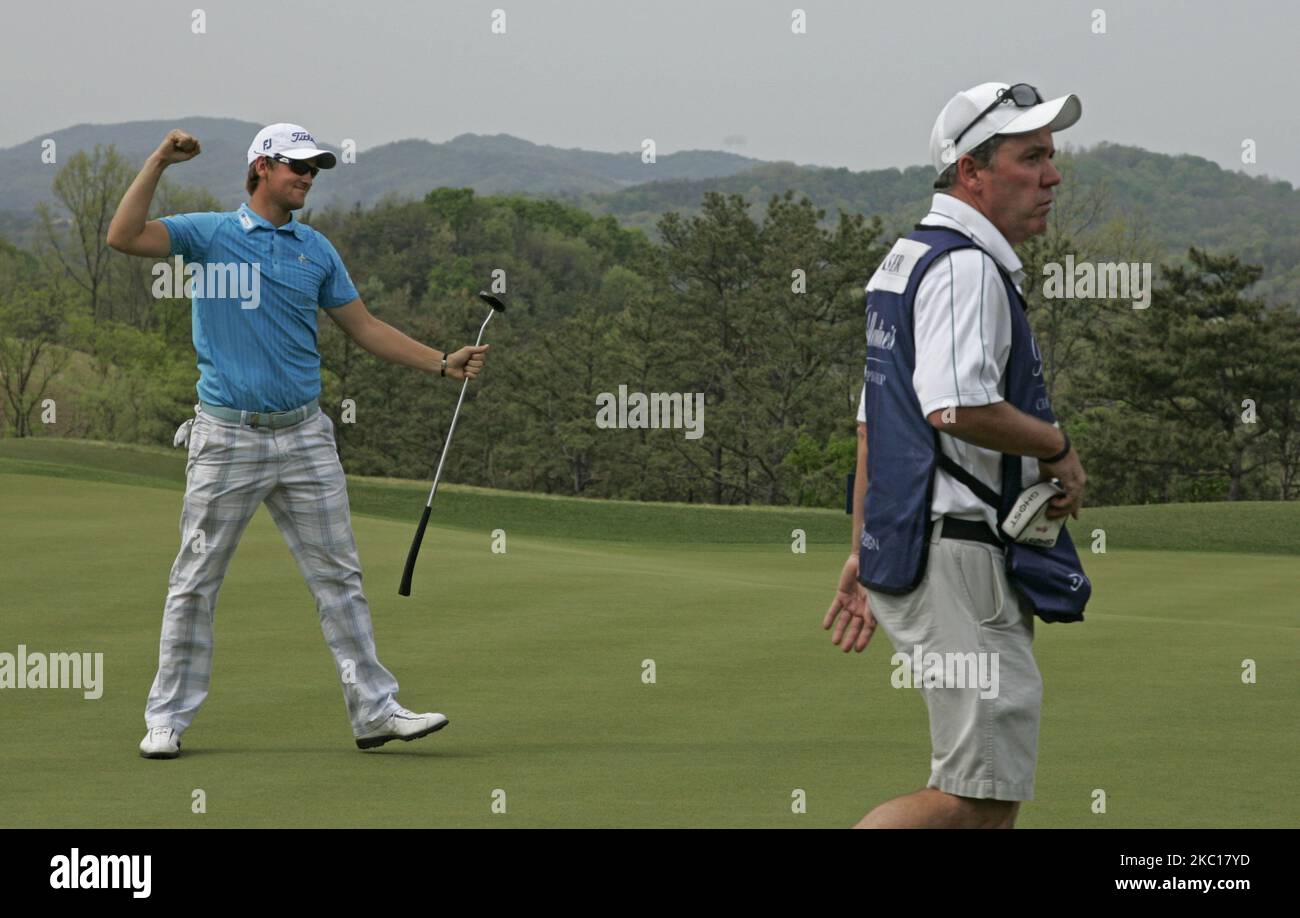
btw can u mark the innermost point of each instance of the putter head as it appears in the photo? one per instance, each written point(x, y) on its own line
point(492, 301)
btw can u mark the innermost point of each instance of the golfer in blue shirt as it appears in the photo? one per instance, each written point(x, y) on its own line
point(258, 277)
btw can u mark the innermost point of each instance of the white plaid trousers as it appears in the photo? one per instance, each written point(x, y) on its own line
point(295, 470)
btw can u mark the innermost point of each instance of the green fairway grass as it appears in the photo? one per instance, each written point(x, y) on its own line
point(536, 655)
point(1254, 527)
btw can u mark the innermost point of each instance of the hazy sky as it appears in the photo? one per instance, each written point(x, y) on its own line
point(861, 89)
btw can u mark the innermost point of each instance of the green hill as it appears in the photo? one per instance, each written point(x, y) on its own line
point(1259, 527)
point(1185, 200)
point(490, 164)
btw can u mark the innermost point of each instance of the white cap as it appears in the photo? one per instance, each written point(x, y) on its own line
point(291, 140)
point(1007, 118)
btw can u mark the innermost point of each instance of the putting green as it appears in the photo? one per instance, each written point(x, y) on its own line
point(537, 657)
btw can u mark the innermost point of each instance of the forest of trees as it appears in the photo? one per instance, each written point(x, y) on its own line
point(759, 308)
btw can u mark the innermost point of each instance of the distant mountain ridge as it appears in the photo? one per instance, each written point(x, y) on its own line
point(1186, 200)
point(490, 164)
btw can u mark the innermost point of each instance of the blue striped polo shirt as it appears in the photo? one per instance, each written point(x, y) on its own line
point(256, 291)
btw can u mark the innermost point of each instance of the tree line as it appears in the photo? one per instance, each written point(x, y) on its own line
point(759, 309)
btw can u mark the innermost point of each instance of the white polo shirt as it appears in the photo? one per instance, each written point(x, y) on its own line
point(962, 324)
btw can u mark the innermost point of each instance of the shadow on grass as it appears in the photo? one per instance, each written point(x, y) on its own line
point(389, 750)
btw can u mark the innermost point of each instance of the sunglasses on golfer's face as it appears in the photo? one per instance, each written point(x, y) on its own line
point(1022, 94)
point(299, 166)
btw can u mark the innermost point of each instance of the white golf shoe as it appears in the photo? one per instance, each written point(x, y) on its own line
point(161, 743)
point(403, 725)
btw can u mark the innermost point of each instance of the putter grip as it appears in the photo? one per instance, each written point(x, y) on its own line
point(405, 588)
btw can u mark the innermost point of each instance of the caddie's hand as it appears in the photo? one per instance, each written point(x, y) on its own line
point(177, 147)
point(1069, 472)
point(467, 362)
point(855, 622)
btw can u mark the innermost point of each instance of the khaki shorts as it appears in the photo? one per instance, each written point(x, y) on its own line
point(984, 743)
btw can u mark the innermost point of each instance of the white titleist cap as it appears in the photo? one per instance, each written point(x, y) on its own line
point(961, 128)
point(291, 140)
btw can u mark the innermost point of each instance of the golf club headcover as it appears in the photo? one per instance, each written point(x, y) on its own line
point(1027, 522)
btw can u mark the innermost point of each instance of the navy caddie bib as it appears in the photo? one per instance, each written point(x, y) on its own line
point(903, 450)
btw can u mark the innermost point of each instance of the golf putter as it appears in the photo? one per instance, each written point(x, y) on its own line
point(405, 588)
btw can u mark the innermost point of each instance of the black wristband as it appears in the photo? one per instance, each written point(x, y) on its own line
point(1065, 451)
point(444, 365)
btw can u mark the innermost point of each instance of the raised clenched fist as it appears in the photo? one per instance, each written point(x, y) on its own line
point(178, 146)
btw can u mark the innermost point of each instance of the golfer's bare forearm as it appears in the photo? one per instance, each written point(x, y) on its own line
point(387, 343)
point(128, 222)
point(1003, 427)
point(859, 489)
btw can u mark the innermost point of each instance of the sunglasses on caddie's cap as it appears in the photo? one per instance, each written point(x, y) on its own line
point(1022, 94)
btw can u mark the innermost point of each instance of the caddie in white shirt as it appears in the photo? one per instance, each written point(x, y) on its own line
point(991, 147)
